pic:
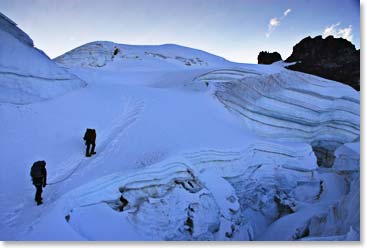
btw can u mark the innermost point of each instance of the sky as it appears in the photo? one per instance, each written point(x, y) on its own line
point(234, 29)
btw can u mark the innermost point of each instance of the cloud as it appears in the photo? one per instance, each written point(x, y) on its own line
point(346, 33)
point(286, 12)
point(331, 29)
point(275, 21)
point(336, 31)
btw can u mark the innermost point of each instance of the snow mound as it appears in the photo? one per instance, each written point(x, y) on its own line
point(287, 105)
point(26, 73)
point(160, 57)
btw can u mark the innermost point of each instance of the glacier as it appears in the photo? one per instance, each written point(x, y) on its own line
point(202, 148)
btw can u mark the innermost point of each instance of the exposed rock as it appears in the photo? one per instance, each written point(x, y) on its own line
point(325, 157)
point(67, 217)
point(283, 207)
point(116, 51)
point(268, 58)
point(332, 58)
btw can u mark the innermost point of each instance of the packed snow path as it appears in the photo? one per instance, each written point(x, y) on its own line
point(58, 183)
point(106, 142)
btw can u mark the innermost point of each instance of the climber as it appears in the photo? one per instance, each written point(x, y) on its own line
point(39, 177)
point(90, 139)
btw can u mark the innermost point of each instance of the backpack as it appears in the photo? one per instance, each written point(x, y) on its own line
point(93, 135)
point(88, 134)
point(37, 169)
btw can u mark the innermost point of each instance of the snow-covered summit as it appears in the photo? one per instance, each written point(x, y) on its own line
point(103, 53)
point(26, 73)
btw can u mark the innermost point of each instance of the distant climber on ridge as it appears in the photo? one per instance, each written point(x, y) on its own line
point(39, 177)
point(90, 139)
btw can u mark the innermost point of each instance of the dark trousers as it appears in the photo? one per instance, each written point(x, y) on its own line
point(88, 147)
point(38, 196)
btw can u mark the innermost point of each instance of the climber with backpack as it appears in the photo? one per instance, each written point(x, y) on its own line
point(39, 177)
point(90, 139)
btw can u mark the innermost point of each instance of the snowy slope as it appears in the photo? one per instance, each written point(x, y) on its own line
point(26, 73)
point(213, 150)
point(102, 53)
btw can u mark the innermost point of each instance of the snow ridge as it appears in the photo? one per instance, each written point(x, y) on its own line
point(103, 53)
point(9, 26)
point(27, 75)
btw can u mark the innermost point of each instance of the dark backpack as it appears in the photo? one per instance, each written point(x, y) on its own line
point(88, 134)
point(93, 135)
point(37, 169)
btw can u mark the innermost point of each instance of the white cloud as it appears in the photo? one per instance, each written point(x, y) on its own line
point(336, 31)
point(346, 33)
point(331, 29)
point(275, 21)
point(287, 12)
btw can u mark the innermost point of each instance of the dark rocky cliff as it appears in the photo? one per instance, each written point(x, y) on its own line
point(268, 58)
point(332, 58)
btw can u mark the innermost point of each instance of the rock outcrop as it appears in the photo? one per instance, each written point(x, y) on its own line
point(268, 58)
point(325, 157)
point(332, 58)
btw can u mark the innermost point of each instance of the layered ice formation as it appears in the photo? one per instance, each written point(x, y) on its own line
point(288, 105)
